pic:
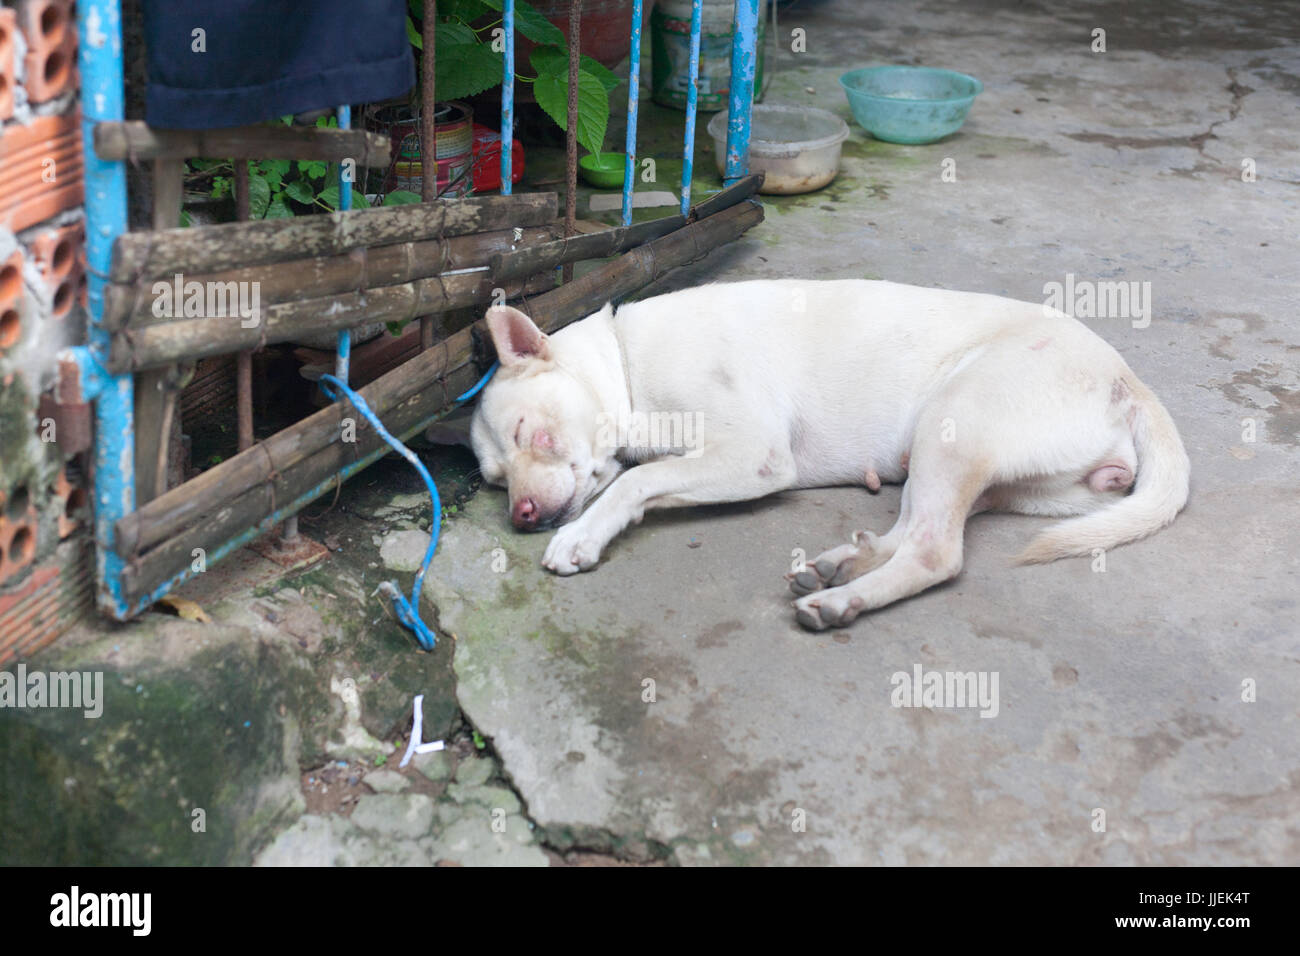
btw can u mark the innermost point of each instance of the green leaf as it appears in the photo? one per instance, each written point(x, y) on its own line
point(463, 69)
point(277, 210)
point(401, 197)
point(327, 122)
point(547, 59)
point(552, 92)
point(607, 77)
point(273, 170)
point(413, 35)
point(299, 191)
point(329, 197)
point(220, 187)
point(455, 34)
point(313, 168)
point(259, 196)
point(530, 22)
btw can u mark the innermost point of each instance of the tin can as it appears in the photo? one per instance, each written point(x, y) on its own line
point(454, 130)
point(670, 44)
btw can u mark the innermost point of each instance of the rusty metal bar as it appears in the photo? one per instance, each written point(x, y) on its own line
point(428, 130)
point(244, 360)
point(571, 134)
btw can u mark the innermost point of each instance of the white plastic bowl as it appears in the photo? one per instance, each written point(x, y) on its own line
point(796, 148)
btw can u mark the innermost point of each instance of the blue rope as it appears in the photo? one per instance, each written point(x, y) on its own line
point(408, 611)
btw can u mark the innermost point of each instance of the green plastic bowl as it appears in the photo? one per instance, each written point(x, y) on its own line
point(603, 170)
point(910, 104)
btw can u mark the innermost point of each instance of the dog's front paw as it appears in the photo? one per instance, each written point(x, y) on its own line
point(571, 550)
point(823, 609)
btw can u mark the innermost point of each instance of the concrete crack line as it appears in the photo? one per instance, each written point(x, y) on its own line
point(1196, 140)
point(593, 840)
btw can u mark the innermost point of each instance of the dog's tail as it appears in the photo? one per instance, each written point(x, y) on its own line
point(1158, 494)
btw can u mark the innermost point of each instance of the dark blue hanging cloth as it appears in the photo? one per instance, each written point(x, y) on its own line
point(259, 59)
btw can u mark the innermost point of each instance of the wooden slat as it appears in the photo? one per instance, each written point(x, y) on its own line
point(133, 139)
point(167, 342)
point(149, 255)
point(333, 275)
point(527, 260)
point(155, 396)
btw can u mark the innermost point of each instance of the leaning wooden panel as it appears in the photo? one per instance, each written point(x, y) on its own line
point(174, 515)
point(151, 255)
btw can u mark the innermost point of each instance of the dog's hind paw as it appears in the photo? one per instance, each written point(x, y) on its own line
point(839, 565)
point(805, 581)
point(832, 608)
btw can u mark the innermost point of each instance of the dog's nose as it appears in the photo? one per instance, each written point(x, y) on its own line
point(524, 514)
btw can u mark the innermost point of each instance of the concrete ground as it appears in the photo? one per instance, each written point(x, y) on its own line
point(666, 706)
point(1127, 731)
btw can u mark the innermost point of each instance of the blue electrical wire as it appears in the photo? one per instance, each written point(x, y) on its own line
point(408, 612)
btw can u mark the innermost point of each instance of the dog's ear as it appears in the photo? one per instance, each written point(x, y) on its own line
point(515, 336)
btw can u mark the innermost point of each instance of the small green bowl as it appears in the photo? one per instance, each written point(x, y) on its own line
point(603, 170)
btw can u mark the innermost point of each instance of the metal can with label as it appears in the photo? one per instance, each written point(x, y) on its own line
point(670, 44)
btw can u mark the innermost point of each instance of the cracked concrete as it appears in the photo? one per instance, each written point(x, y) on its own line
point(1148, 703)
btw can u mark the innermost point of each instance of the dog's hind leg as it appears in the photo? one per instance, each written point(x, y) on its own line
point(864, 554)
point(924, 547)
point(929, 551)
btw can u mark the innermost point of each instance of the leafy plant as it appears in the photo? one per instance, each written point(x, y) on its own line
point(283, 188)
point(468, 60)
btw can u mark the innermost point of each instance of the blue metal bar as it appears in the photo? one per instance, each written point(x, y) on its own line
point(633, 96)
point(692, 93)
point(744, 61)
point(508, 94)
point(343, 353)
point(99, 56)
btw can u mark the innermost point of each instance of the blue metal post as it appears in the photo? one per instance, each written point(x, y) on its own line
point(633, 97)
point(744, 62)
point(99, 55)
point(692, 93)
point(343, 354)
point(508, 94)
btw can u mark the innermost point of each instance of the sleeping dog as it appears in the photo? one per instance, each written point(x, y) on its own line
point(729, 392)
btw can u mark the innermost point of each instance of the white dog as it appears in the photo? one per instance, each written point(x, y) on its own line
point(734, 391)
